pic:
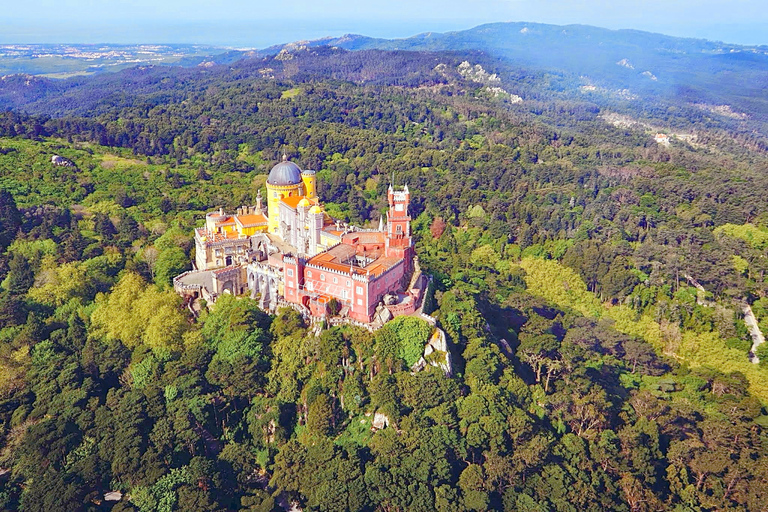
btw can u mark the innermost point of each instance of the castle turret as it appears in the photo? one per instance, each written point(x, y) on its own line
point(259, 210)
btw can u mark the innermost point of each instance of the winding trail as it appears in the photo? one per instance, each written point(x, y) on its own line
point(754, 330)
point(749, 317)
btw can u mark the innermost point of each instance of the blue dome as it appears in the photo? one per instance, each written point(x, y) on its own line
point(285, 173)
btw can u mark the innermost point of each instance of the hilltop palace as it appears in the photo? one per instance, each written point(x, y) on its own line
point(295, 254)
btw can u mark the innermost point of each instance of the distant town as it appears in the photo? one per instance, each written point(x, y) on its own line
point(64, 60)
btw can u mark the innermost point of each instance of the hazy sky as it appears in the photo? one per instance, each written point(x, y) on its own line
point(257, 23)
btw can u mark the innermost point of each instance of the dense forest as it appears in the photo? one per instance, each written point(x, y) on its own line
point(592, 284)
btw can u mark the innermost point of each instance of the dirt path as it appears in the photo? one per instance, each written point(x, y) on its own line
point(754, 330)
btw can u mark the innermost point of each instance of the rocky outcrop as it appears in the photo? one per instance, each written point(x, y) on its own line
point(380, 421)
point(60, 161)
point(436, 353)
point(113, 496)
point(506, 348)
point(382, 315)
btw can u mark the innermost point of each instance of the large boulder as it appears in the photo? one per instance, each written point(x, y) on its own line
point(61, 161)
point(380, 421)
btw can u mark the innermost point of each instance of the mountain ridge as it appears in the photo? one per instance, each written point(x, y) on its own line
point(643, 62)
point(353, 41)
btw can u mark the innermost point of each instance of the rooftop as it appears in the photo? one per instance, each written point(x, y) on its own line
point(251, 220)
point(364, 237)
point(293, 201)
point(338, 258)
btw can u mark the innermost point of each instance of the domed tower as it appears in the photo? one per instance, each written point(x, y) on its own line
point(284, 180)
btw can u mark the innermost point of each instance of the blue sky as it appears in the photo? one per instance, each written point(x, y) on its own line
point(256, 23)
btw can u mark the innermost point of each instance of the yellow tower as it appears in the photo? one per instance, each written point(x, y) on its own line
point(284, 180)
point(309, 178)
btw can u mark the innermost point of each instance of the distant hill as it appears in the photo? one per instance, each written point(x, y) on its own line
point(648, 64)
point(664, 81)
point(595, 63)
point(158, 85)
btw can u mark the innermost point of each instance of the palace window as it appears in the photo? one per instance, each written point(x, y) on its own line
point(399, 207)
point(290, 272)
point(335, 281)
point(322, 277)
point(359, 290)
point(290, 284)
point(310, 286)
point(359, 302)
point(309, 273)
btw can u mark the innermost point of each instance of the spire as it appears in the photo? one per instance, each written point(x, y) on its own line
point(258, 202)
point(405, 189)
point(381, 223)
point(285, 157)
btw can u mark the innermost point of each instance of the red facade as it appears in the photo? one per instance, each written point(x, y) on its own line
point(360, 271)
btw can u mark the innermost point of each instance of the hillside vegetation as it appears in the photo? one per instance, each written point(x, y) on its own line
point(589, 371)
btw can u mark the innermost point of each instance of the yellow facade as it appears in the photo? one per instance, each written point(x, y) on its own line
point(274, 194)
point(252, 230)
point(328, 241)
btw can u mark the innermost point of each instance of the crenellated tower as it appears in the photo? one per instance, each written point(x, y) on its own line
point(398, 230)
